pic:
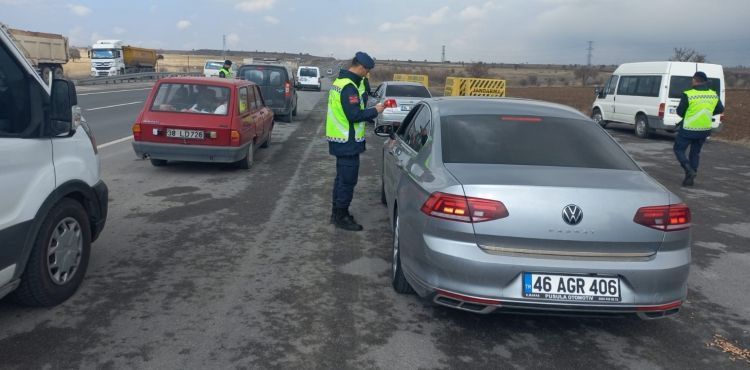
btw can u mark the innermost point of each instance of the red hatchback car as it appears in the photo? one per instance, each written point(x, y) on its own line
point(201, 119)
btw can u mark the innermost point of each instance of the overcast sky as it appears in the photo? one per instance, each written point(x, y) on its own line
point(516, 31)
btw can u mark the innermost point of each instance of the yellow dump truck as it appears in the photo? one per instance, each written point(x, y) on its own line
point(112, 58)
point(48, 52)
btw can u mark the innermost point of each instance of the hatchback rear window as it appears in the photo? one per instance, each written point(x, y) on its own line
point(191, 98)
point(264, 76)
point(407, 91)
point(678, 85)
point(531, 141)
point(308, 72)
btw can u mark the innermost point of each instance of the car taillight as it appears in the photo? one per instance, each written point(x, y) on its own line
point(721, 118)
point(463, 209)
point(661, 110)
point(287, 89)
point(667, 218)
point(390, 103)
point(235, 138)
point(137, 131)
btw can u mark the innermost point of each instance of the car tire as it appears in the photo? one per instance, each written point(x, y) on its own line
point(400, 284)
point(65, 235)
point(596, 115)
point(58, 73)
point(642, 129)
point(267, 143)
point(45, 73)
point(289, 117)
point(158, 162)
point(294, 112)
point(247, 162)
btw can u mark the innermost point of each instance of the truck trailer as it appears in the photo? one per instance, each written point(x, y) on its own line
point(112, 58)
point(48, 52)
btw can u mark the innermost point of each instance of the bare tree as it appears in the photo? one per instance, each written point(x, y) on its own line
point(478, 70)
point(75, 54)
point(688, 55)
point(586, 74)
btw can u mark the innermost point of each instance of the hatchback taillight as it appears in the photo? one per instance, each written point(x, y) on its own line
point(235, 138)
point(137, 131)
point(463, 209)
point(287, 89)
point(667, 218)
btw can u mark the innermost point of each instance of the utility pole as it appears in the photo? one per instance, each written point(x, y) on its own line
point(442, 59)
point(590, 49)
point(224, 46)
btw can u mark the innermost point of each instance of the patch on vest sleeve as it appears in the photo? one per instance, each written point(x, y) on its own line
point(353, 99)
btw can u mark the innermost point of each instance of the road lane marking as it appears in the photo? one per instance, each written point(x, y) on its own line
point(114, 91)
point(114, 142)
point(116, 105)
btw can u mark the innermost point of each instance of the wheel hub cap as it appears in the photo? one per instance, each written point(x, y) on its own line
point(64, 250)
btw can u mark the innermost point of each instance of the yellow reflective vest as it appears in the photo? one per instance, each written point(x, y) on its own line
point(337, 125)
point(700, 110)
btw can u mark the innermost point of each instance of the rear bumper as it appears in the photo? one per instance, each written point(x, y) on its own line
point(310, 86)
point(649, 287)
point(190, 153)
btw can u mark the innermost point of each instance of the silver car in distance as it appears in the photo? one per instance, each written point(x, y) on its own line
point(514, 205)
point(398, 97)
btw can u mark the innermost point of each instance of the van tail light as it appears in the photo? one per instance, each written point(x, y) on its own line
point(287, 89)
point(235, 138)
point(667, 218)
point(662, 106)
point(390, 103)
point(721, 118)
point(463, 209)
point(137, 131)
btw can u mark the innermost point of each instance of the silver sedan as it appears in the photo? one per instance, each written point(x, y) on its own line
point(398, 97)
point(519, 205)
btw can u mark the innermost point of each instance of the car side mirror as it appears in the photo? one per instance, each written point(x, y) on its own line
point(63, 99)
point(385, 131)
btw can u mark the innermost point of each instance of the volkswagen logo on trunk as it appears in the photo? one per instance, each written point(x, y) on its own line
point(572, 214)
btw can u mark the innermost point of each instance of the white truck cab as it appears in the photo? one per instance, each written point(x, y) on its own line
point(107, 58)
point(646, 95)
point(53, 203)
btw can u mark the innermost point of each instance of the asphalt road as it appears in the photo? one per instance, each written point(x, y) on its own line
point(202, 266)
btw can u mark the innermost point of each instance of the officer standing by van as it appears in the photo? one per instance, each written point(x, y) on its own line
point(697, 107)
point(345, 132)
point(226, 69)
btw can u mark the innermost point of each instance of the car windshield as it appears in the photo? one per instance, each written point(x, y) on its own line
point(678, 85)
point(214, 65)
point(308, 72)
point(263, 76)
point(530, 141)
point(191, 98)
point(102, 54)
point(407, 91)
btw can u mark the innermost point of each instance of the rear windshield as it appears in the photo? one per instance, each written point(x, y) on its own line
point(214, 65)
point(191, 98)
point(308, 72)
point(678, 85)
point(263, 76)
point(494, 139)
point(407, 91)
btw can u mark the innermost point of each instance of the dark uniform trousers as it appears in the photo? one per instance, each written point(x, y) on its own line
point(681, 144)
point(347, 172)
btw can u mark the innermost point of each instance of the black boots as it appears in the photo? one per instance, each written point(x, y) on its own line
point(341, 218)
point(690, 175)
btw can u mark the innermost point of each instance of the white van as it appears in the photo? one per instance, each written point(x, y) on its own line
point(309, 77)
point(646, 94)
point(212, 67)
point(53, 204)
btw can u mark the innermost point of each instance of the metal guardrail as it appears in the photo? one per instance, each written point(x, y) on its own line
point(132, 77)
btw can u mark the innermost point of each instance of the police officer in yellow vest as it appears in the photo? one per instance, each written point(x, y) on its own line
point(226, 71)
point(697, 107)
point(345, 131)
